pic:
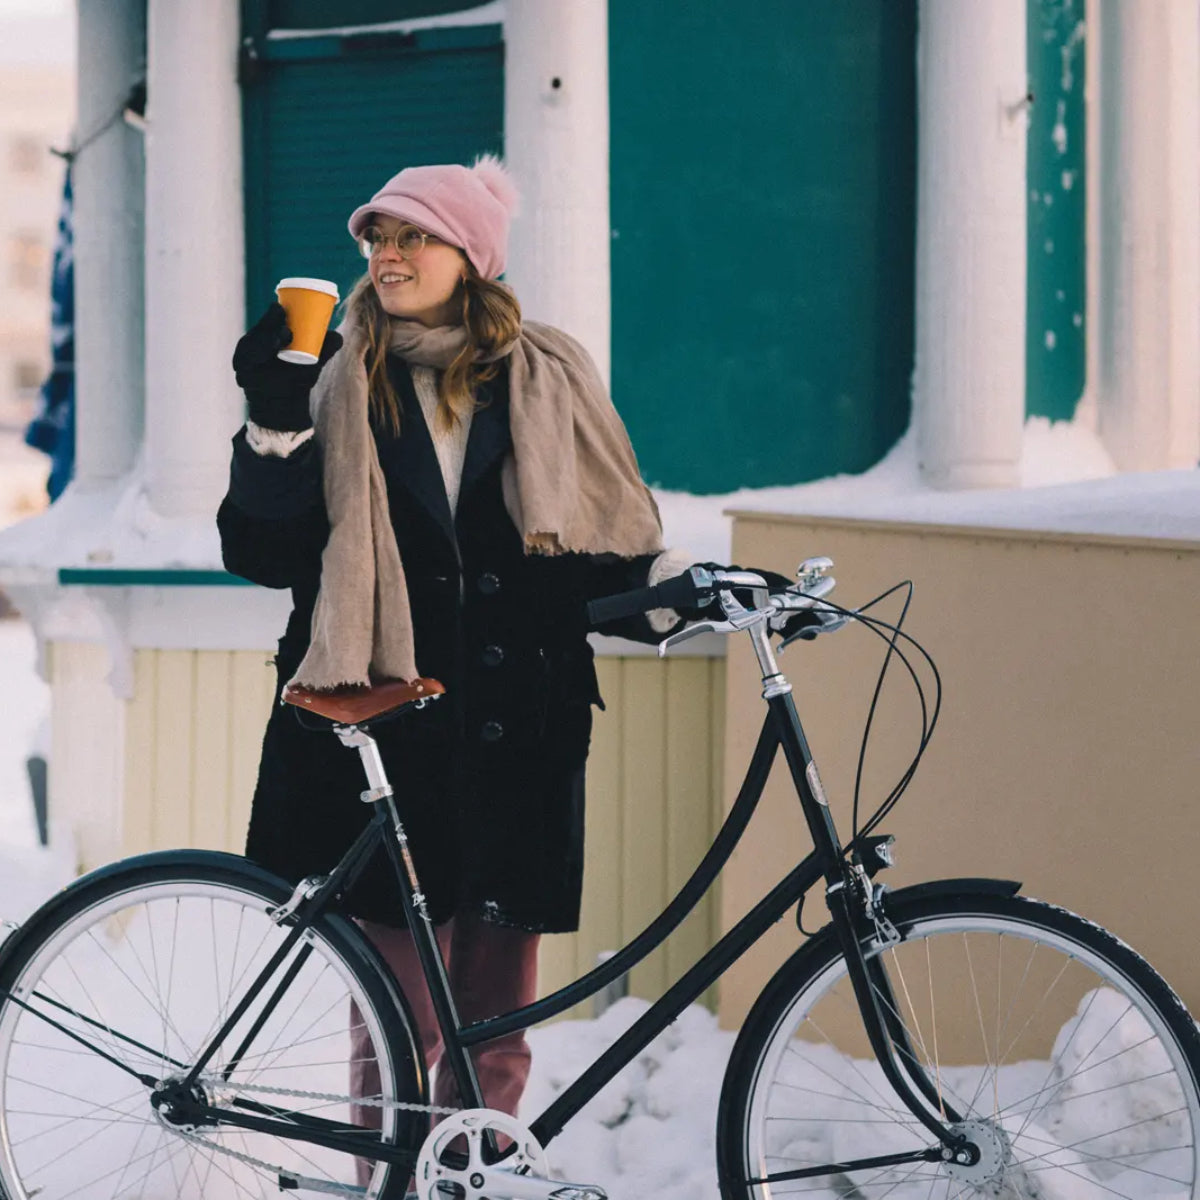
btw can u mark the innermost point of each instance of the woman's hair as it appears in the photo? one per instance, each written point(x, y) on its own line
point(491, 315)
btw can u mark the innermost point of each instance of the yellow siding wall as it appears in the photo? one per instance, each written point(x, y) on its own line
point(192, 733)
point(654, 803)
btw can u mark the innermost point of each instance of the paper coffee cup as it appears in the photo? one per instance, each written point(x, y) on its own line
point(309, 304)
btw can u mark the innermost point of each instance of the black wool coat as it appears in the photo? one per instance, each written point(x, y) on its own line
point(489, 779)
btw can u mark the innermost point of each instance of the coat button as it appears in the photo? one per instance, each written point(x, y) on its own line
point(492, 731)
point(489, 583)
point(492, 656)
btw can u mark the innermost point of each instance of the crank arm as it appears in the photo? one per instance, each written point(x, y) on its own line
point(492, 1182)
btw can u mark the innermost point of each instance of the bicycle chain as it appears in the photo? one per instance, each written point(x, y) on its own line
point(364, 1102)
point(275, 1168)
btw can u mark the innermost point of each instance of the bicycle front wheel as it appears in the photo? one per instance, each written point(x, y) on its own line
point(1051, 1045)
point(113, 989)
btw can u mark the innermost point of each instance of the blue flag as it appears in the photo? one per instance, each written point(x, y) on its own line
point(52, 430)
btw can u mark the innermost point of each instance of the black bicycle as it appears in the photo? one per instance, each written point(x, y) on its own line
point(180, 1024)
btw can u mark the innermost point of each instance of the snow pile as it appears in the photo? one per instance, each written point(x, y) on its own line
point(650, 1132)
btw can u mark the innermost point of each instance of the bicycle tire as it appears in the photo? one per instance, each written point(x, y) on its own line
point(798, 1094)
point(124, 960)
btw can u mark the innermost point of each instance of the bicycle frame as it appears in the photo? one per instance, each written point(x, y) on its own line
point(827, 860)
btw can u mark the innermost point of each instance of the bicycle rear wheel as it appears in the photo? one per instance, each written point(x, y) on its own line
point(1061, 1053)
point(124, 977)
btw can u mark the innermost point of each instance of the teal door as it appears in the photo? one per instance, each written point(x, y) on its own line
point(327, 119)
point(763, 213)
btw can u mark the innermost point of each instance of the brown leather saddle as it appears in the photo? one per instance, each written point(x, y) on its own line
point(353, 706)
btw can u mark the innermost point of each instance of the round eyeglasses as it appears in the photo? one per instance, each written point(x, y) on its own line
point(408, 240)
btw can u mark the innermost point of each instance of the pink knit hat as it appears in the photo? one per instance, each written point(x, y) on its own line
point(469, 207)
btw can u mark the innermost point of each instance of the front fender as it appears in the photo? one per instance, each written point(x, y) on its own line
point(955, 887)
point(937, 887)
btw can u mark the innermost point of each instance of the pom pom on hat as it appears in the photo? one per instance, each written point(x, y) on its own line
point(495, 177)
point(468, 207)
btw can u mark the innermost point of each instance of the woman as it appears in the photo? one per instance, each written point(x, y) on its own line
point(467, 488)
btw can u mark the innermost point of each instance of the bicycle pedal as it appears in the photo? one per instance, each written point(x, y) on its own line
point(587, 1191)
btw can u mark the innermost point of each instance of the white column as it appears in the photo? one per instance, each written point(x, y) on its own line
point(969, 377)
point(108, 192)
point(194, 252)
point(1148, 323)
point(556, 144)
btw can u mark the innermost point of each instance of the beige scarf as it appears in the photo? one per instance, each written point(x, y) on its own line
point(571, 484)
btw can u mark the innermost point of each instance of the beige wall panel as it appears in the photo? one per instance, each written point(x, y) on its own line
point(652, 800)
point(137, 819)
point(173, 752)
point(644, 841)
point(716, 702)
point(251, 693)
point(557, 967)
point(687, 722)
point(86, 739)
point(716, 807)
point(212, 731)
point(1066, 755)
point(565, 957)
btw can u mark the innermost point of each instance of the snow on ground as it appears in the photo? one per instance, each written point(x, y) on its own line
point(28, 874)
point(650, 1132)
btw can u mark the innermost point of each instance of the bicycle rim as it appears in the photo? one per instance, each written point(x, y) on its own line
point(146, 973)
point(1069, 1062)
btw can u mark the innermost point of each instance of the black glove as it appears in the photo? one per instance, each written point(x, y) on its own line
point(801, 624)
point(277, 391)
point(713, 610)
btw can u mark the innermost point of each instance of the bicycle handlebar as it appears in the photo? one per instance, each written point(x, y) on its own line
point(698, 587)
point(681, 591)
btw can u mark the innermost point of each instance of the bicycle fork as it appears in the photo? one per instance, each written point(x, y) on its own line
point(885, 1031)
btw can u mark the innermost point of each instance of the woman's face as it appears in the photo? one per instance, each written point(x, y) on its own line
point(423, 288)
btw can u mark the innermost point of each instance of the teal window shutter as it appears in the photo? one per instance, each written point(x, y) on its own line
point(764, 226)
point(328, 119)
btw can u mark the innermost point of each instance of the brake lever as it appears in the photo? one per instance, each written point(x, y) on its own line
point(682, 636)
point(734, 624)
point(830, 622)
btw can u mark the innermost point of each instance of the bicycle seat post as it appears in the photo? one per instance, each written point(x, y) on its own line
point(417, 919)
point(378, 788)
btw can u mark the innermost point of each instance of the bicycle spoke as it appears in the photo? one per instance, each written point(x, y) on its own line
point(130, 976)
point(1048, 1053)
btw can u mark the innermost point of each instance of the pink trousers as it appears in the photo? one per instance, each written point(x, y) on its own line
point(492, 969)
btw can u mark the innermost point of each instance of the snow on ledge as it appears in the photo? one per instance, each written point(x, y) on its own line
point(1068, 485)
point(1151, 504)
point(113, 526)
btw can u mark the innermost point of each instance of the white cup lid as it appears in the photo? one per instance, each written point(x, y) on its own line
point(313, 285)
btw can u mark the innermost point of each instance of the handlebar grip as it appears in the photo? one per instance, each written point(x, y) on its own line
point(677, 592)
